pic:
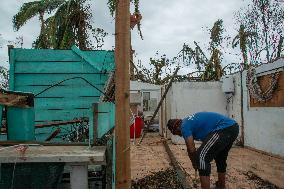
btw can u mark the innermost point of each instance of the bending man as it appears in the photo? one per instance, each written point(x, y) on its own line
point(217, 133)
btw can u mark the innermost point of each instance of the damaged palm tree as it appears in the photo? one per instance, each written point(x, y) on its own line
point(265, 20)
point(211, 68)
point(244, 39)
point(36, 8)
point(69, 25)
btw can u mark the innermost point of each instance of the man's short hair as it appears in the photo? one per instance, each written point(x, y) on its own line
point(172, 124)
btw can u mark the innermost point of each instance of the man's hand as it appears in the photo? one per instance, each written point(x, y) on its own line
point(191, 151)
point(193, 159)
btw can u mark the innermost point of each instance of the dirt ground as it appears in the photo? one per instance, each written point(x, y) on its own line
point(246, 168)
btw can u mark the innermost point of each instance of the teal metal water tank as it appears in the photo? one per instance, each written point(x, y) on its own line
point(21, 123)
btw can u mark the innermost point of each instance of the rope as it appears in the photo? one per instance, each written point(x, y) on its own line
point(72, 79)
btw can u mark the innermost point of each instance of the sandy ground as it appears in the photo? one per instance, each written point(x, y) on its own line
point(246, 168)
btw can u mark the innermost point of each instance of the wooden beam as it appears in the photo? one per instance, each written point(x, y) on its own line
point(59, 123)
point(67, 154)
point(160, 104)
point(181, 173)
point(46, 143)
point(11, 54)
point(9, 98)
point(122, 58)
point(86, 58)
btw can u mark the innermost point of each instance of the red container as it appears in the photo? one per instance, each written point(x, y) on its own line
point(136, 127)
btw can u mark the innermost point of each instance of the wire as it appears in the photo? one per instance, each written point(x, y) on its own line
point(72, 79)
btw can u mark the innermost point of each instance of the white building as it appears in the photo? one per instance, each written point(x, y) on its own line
point(144, 97)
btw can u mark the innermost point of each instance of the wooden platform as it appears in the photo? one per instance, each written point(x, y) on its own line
point(67, 154)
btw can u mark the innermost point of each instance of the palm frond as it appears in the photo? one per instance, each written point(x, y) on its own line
point(31, 9)
point(236, 41)
point(27, 11)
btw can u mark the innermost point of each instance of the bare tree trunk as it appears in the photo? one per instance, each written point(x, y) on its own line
point(279, 47)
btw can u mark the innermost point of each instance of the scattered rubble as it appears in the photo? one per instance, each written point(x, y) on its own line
point(262, 184)
point(159, 180)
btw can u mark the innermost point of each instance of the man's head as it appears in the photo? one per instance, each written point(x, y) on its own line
point(174, 126)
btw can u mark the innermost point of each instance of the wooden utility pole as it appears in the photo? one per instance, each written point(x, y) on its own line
point(122, 82)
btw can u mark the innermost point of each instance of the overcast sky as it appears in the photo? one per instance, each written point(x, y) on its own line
point(166, 25)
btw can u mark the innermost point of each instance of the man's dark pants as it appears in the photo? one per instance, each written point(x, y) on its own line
point(216, 146)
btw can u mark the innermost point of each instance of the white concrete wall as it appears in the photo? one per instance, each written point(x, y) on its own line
point(155, 92)
point(137, 86)
point(185, 98)
point(191, 97)
point(264, 126)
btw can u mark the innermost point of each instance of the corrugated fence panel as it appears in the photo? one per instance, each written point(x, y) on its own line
point(36, 70)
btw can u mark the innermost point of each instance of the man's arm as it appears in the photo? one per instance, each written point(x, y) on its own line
point(191, 150)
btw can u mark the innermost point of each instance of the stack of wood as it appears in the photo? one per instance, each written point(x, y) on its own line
point(17, 99)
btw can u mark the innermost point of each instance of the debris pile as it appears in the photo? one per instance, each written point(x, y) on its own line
point(262, 184)
point(160, 180)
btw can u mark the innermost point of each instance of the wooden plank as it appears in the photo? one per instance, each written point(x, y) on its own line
point(55, 115)
point(94, 128)
point(105, 59)
point(87, 58)
point(67, 154)
point(58, 123)
point(51, 79)
point(181, 174)
point(104, 56)
point(69, 85)
point(104, 119)
point(12, 68)
point(16, 100)
point(64, 91)
point(103, 124)
point(46, 132)
point(54, 67)
point(13, 143)
point(45, 55)
point(122, 129)
point(43, 136)
point(68, 103)
point(38, 55)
